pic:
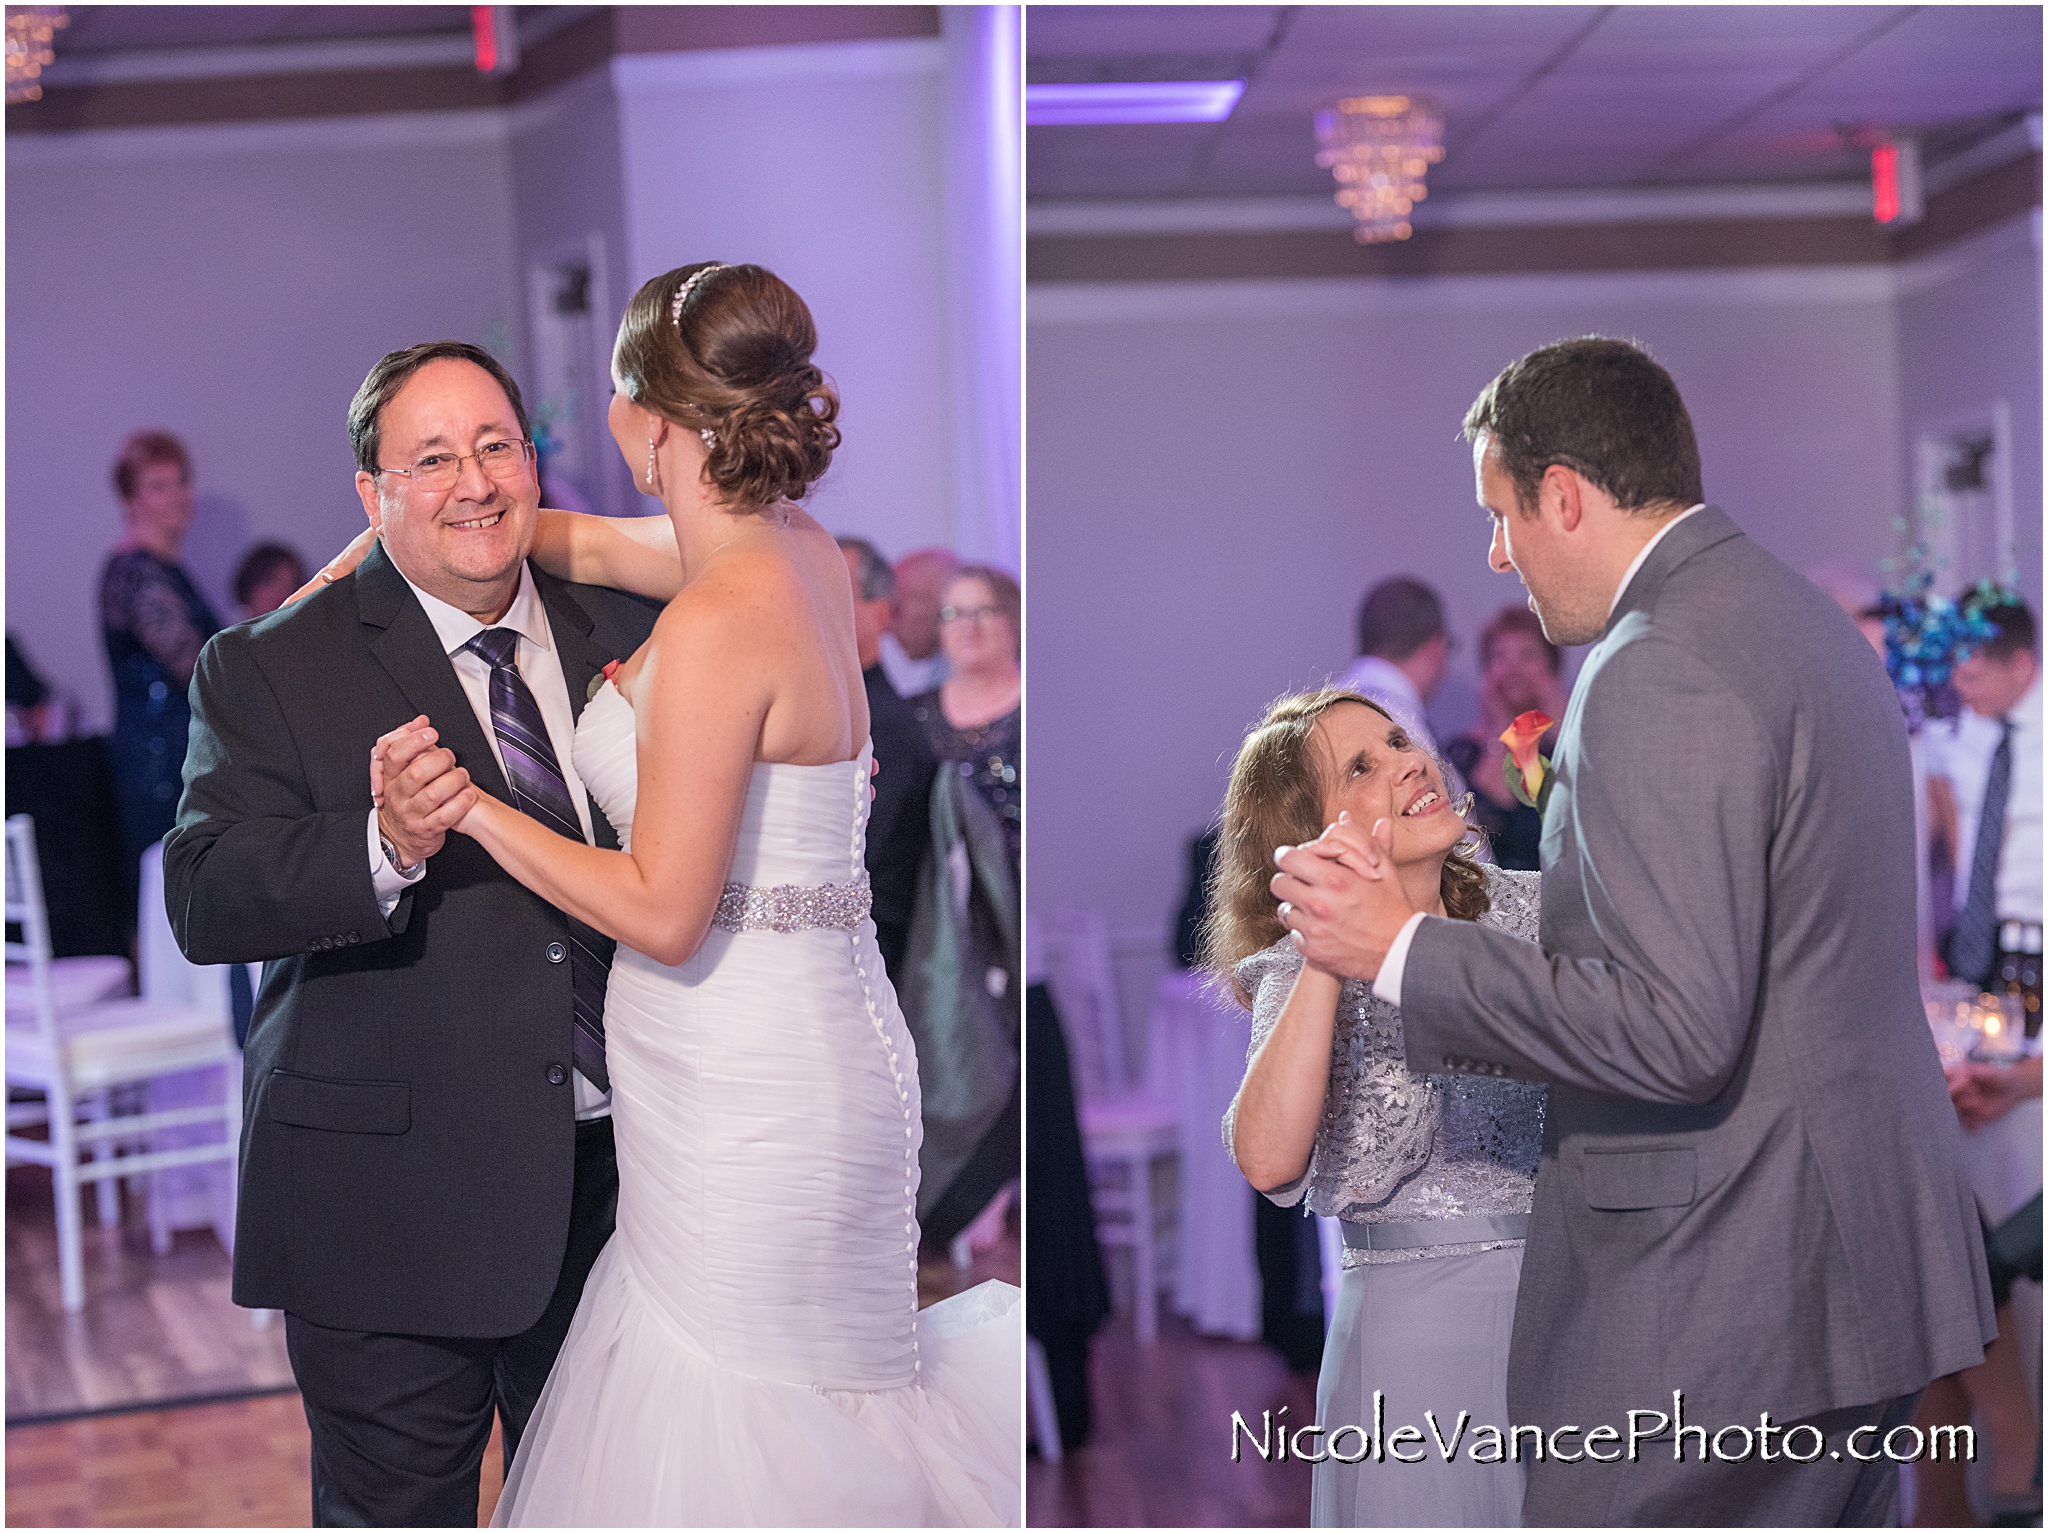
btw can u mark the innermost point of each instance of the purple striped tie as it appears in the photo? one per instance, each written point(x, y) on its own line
point(539, 790)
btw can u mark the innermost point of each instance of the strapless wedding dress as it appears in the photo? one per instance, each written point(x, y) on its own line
point(749, 1350)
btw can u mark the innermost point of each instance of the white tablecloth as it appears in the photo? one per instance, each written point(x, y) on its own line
point(1195, 1058)
point(2003, 1160)
point(185, 1197)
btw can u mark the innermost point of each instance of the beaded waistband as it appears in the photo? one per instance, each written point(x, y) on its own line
point(1413, 1234)
point(793, 908)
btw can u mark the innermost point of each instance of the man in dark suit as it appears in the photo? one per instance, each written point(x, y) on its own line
point(900, 823)
point(427, 1168)
point(1750, 1189)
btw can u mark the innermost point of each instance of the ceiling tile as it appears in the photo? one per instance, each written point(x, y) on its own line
point(1649, 95)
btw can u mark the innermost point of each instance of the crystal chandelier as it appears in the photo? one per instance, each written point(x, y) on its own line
point(1380, 148)
point(29, 30)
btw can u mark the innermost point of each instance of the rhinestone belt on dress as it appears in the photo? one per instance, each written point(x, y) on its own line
point(791, 908)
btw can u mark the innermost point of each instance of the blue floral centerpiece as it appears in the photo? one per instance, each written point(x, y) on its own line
point(1926, 634)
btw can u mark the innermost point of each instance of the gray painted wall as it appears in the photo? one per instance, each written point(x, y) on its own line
point(234, 283)
point(1218, 471)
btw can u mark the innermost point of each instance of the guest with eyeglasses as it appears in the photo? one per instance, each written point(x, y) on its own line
point(975, 716)
point(154, 621)
point(965, 1001)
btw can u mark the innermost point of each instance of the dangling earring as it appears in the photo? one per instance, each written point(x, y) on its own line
point(650, 465)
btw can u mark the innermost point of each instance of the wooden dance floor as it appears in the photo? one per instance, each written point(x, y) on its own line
point(164, 1324)
point(1160, 1454)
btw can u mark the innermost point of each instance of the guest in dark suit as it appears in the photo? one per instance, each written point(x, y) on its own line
point(427, 1170)
point(899, 824)
point(1750, 1188)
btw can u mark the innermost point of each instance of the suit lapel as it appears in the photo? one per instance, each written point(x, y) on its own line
point(410, 652)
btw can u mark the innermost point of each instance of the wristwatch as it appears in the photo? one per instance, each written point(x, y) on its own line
point(391, 856)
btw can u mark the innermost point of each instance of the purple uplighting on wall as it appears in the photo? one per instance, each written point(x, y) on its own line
point(1138, 101)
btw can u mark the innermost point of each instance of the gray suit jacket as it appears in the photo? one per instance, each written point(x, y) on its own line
point(1750, 1187)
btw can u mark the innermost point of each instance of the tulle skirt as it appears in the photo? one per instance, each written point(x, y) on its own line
point(748, 1351)
point(635, 1429)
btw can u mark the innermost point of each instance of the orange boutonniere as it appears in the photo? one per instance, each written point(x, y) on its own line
point(1528, 769)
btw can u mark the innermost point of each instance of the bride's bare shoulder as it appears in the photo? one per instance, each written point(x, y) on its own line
point(748, 590)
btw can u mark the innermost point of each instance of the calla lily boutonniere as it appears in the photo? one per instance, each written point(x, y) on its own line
point(603, 676)
point(1527, 769)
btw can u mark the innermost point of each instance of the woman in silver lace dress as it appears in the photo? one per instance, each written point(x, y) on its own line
point(1431, 1175)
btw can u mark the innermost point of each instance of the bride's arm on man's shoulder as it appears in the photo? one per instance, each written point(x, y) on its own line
point(352, 555)
point(699, 698)
point(627, 553)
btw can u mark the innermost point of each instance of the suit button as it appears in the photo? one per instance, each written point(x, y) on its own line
point(352, 939)
point(556, 1075)
point(319, 944)
point(556, 953)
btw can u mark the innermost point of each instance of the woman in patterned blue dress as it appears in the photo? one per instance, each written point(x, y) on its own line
point(154, 621)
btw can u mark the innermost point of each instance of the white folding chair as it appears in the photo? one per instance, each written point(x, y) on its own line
point(196, 1197)
point(76, 982)
point(72, 1053)
point(1125, 1131)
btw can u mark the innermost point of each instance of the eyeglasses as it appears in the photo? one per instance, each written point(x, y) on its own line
point(969, 614)
point(502, 460)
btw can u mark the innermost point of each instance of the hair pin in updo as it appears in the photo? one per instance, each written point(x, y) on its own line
point(675, 310)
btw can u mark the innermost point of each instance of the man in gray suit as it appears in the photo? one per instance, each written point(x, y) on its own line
point(1750, 1192)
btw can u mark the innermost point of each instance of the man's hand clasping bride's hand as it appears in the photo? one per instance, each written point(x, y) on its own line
point(1340, 899)
point(420, 792)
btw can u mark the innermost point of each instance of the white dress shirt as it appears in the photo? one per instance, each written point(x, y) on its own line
point(1643, 553)
point(1388, 685)
point(911, 678)
point(541, 669)
point(1961, 749)
point(1387, 986)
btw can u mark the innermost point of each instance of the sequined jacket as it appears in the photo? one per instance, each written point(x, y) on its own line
point(1396, 1146)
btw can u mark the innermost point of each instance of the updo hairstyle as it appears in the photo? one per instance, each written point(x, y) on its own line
point(736, 362)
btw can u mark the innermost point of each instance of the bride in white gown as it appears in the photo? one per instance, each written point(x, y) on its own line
point(748, 1350)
